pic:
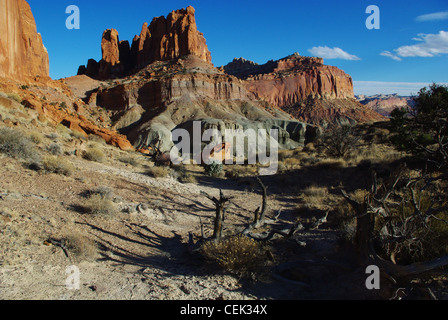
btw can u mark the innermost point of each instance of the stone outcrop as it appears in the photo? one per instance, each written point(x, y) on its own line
point(23, 56)
point(162, 40)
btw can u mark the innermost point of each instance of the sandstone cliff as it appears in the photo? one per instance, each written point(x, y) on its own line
point(164, 39)
point(23, 56)
point(305, 88)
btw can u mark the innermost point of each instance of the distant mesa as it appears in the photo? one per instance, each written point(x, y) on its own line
point(384, 104)
point(163, 40)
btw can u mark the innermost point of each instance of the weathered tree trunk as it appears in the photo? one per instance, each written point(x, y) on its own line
point(220, 205)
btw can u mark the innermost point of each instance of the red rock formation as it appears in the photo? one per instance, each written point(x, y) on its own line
point(23, 56)
point(172, 84)
point(305, 88)
point(164, 39)
point(294, 79)
point(110, 51)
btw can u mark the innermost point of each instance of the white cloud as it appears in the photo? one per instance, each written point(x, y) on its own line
point(390, 55)
point(432, 16)
point(430, 45)
point(332, 53)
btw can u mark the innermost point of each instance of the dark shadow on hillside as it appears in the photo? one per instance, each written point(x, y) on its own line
point(296, 180)
point(169, 253)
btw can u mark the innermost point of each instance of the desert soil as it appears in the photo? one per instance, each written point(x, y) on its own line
point(141, 251)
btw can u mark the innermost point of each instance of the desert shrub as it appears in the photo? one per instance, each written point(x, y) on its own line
point(213, 169)
point(330, 164)
point(94, 154)
point(182, 175)
point(63, 131)
point(340, 140)
point(80, 246)
point(55, 149)
point(97, 204)
point(103, 191)
point(15, 144)
point(310, 147)
point(187, 178)
point(77, 135)
point(128, 159)
point(309, 161)
point(52, 136)
point(159, 172)
point(315, 195)
point(36, 137)
point(285, 154)
point(58, 165)
point(96, 139)
point(239, 171)
point(238, 255)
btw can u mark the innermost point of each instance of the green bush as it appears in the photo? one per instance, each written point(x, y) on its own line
point(213, 169)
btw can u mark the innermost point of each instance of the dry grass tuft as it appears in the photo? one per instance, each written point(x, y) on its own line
point(15, 144)
point(98, 204)
point(159, 172)
point(58, 165)
point(315, 196)
point(240, 171)
point(94, 154)
point(80, 246)
point(238, 255)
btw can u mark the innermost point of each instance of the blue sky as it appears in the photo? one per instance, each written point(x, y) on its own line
point(409, 50)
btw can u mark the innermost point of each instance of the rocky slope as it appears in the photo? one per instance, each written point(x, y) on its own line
point(22, 53)
point(165, 95)
point(163, 40)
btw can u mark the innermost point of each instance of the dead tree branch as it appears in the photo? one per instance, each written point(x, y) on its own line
point(375, 205)
point(220, 205)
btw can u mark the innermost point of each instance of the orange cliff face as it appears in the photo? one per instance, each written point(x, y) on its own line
point(23, 56)
point(292, 80)
point(303, 87)
point(163, 40)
